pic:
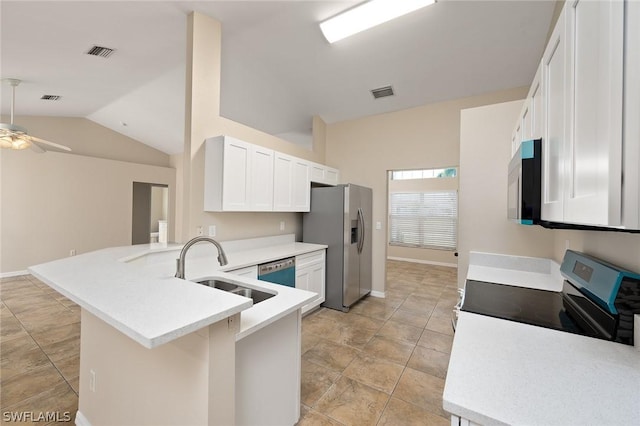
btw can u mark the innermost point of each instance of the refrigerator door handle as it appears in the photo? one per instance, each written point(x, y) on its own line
point(362, 230)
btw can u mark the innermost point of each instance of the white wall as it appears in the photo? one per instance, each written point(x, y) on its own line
point(54, 202)
point(485, 151)
point(418, 138)
point(203, 120)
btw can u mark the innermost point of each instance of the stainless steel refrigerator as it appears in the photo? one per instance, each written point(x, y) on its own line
point(340, 217)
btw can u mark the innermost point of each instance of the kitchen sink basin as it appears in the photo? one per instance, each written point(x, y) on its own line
point(256, 295)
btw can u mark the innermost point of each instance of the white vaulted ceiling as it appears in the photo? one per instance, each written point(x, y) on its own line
point(278, 71)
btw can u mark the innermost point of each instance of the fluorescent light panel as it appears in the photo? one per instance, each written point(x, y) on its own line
point(367, 15)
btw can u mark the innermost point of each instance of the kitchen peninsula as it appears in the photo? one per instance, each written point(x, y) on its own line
point(156, 349)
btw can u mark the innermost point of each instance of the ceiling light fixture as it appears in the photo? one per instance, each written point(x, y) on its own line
point(368, 15)
point(16, 137)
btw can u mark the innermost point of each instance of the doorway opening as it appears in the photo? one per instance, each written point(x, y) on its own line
point(150, 213)
point(422, 220)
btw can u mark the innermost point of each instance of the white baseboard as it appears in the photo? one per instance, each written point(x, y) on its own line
point(13, 274)
point(426, 262)
point(81, 420)
point(377, 294)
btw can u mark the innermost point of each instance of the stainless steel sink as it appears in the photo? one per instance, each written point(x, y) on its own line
point(256, 295)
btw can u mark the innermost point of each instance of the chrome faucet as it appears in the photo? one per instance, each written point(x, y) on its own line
point(222, 257)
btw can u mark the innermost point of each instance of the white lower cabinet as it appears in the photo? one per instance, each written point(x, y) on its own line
point(310, 276)
point(461, 421)
point(248, 272)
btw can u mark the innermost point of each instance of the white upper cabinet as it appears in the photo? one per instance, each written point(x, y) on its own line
point(261, 178)
point(536, 107)
point(240, 176)
point(291, 184)
point(631, 135)
point(594, 157)
point(585, 104)
point(227, 185)
point(554, 105)
point(324, 175)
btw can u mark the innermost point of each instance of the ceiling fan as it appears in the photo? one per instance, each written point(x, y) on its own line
point(16, 137)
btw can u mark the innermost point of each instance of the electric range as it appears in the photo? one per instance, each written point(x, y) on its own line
point(598, 299)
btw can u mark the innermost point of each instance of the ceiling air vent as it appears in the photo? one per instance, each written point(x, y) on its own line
point(103, 52)
point(382, 92)
point(50, 97)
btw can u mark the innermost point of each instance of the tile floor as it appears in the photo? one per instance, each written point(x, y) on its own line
point(383, 362)
point(39, 353)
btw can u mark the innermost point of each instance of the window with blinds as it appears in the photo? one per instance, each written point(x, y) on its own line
point(424, 219)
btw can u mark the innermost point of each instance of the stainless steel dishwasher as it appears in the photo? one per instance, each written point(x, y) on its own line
point(281, 272)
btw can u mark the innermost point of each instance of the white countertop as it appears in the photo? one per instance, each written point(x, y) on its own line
point(508, 373)
point(133, 288)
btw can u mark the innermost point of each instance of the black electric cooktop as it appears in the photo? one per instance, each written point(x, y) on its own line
point(526, 305)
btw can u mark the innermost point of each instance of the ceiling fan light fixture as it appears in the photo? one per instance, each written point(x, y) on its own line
point(368, 15)
point(13, 136)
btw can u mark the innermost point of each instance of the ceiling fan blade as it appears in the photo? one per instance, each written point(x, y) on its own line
point(37, 148)
point(53, 144)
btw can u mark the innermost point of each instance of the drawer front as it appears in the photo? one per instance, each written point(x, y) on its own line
point(309, 258)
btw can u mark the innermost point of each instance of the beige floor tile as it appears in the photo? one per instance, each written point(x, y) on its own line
point(420, 304)
point(309, 340)
point(322, 326)
point(374, 309)
point(437, 341)
point(21, 387)
point(353, 403)
point(69, 366)
point(313, 418)
point(398, 412)
point(56, 334)
point(43, 321)
point(10, 328)
point(19, 356)
point(352, 335)
point(330, 355)
point(316, 380)
point(415, 319)
point(375, 372)
point(391, 350)
point(58, 403)
point(429, 361)
point(400, 331)
point(440, 325)
point(421, 389)
point(75, 384)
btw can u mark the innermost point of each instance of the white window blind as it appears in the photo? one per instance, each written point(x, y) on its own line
point(424, 219)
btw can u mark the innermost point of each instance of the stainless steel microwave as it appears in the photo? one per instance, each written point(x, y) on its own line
point(525, 183)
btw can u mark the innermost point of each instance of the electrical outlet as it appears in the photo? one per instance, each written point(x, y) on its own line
point(212, 230)
point(282, 225)
point(199, 231)
point(72, 252)
point(92, 380)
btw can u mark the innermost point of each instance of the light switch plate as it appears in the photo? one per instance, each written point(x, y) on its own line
point(378, 225)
